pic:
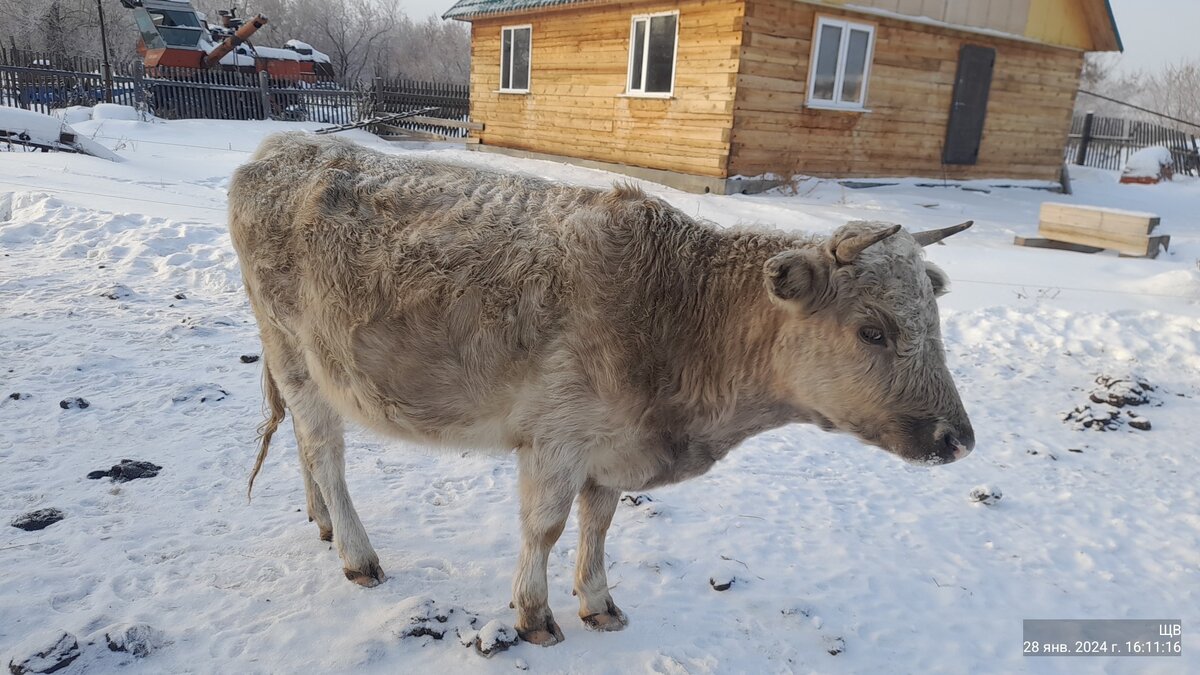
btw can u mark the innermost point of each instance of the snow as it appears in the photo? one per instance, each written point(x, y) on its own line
point(845, 559)
point(277, 53)
point(1148, 162)
point(307, 52)
point(73, 114)
point(48, 130)
point(237, 57)
point(41, 128)
point(114, 111)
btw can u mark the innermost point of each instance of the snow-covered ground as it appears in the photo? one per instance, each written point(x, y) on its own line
point(118, 285)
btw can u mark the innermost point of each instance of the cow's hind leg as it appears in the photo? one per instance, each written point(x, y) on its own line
point(549, 481)
point(317, 511)
point(287, 374)
point(320, 435)
point(596, 607)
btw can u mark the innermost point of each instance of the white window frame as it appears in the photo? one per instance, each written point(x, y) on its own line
point(642, 93)
point(528, 66)
point(840, 70)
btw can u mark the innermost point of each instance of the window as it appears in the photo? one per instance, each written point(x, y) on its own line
point(652, 54)
point(840, 64)
point(514, 59)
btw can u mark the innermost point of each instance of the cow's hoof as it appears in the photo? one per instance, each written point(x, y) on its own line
point(545, 635)
point(369, 579)
point(612, 620)
point(326, 534)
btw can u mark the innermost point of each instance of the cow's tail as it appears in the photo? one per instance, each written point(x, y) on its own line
point(275, 410)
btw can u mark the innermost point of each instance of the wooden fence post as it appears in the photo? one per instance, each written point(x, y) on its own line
point(264, 89)
point(1084, 139)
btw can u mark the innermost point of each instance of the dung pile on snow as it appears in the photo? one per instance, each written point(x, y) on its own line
point(51, 652)
point(38, 520)
point(423, 617)
point(136, 639)
point(426, 619)
point(495, 637)
point(1106, 410)
point(46, 653)
point(127, 470)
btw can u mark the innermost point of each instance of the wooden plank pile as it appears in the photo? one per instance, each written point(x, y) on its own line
point(1089, 229)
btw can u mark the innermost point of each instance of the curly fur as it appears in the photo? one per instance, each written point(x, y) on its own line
point(614, 341)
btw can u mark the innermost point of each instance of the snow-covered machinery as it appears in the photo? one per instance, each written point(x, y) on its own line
point(174, 34)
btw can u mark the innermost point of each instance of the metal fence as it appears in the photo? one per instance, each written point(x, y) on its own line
point(43, 82)
point(1107, 143)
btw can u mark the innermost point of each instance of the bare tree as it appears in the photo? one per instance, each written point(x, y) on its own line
point(350, 31)
point(70, 27)
point(363, 38)
point(431, 49)
point(1172, 90)
point(1175, 91)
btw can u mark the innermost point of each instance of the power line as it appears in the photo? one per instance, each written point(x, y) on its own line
point(1138, 107)
point(111, 196)
point(177, 145)
point(1071, 288)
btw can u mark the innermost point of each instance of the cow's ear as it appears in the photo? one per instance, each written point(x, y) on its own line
point(941, 282)
point(800, 276)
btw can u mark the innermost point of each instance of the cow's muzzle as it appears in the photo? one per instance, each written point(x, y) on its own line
point(936, 442)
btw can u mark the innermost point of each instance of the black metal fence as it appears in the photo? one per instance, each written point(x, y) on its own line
point(43, 82)
point(1107, 143)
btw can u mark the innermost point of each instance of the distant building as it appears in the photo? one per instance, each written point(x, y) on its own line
point(696, 93)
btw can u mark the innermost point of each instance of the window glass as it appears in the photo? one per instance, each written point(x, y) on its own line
point(825, 73)
point(661, 62)
point(520, 69)
point(856, 66)
point(506, 60)
point(639, 51)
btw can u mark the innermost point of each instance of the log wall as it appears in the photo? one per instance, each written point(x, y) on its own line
point(577, 104)
point(909, 96)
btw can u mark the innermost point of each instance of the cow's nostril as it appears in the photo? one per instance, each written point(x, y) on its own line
point(956, 448)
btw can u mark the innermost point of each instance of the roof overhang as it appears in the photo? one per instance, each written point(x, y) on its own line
point(1102, 24)
point(467, 10)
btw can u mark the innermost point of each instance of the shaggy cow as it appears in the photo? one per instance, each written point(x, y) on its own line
point(614, 342)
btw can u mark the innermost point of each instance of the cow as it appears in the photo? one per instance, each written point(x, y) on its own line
point(614, 342)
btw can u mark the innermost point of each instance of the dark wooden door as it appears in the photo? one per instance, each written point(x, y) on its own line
point(969, 108)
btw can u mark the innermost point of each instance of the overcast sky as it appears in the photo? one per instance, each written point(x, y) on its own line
point(1155, 31)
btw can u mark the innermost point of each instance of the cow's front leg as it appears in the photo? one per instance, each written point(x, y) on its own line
point(596, 607)
point(549, 481)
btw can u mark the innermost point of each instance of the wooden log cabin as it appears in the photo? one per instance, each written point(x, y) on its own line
point(738, 95)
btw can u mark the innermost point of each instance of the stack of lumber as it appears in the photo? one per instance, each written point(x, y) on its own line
point(1089, 229)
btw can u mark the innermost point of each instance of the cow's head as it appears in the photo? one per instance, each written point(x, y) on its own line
point(861, 344)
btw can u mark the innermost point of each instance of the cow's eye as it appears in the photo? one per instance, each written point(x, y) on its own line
point(872, 336)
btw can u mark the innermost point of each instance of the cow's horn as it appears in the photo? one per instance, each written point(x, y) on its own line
point(934, 236)
point(848, 249)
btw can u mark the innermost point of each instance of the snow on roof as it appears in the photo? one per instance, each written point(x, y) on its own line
point(465, 9)
point(307, 51)
point(277, 53)
point(236, 58)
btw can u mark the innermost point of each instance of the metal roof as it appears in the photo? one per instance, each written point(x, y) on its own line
point(467, 9)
